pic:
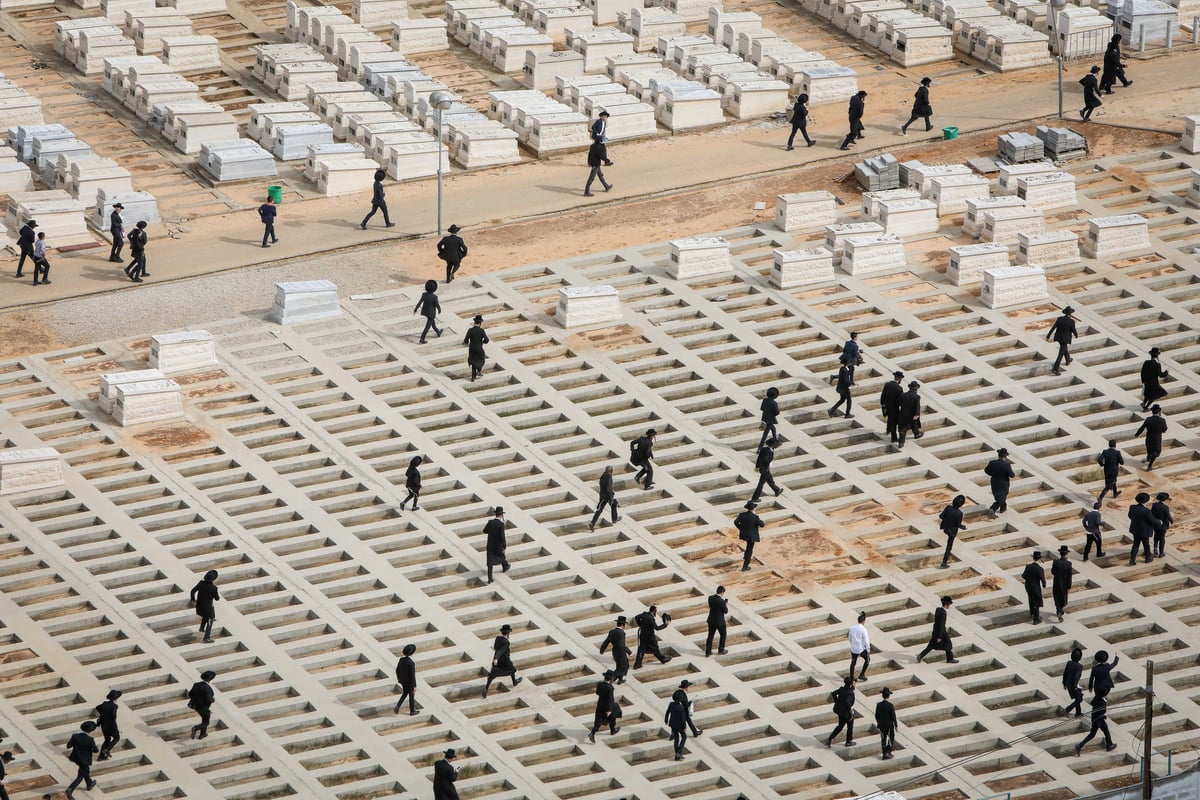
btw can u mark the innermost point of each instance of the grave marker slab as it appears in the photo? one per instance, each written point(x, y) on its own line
point(1013, 286)
point(588, 305)
point(303, 301)
point(792, 268)
point(182, 351)
point(699, 257)
point(28, 470)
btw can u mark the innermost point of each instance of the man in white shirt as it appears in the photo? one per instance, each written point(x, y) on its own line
point(860, 646)
point(41, 265)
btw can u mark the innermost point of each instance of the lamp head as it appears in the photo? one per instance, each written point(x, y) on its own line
point(441, 100)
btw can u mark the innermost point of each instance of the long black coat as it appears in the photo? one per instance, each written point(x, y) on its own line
point(1142, 522)
point(889, 398)
point(496, 542)
point(406, 672)
point(1154, 427)
point(475, 339)
point(921, 106)
point(1060, 573)
point(910, 408)
point(1091, 91)
point(444, 776)
point(606, 703)
point(621, 651)
point(1034, 578)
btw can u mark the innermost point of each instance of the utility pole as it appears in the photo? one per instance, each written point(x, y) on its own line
point(1147, 749)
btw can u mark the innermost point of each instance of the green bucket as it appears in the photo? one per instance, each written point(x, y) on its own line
point(949, 133)
point(275, 193)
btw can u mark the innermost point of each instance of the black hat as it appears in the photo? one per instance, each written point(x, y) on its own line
point(409, 649)
point(506, 628)
point(1154, 409)
point(114, 694)
point(118, 205)
point(88, 726)
point(947, 600)
point(1063, 550)
point(1002, 452)
point(431, 285)
point(602, 114)
point(141, 223)
point(1142, 497)
point(886, 692)
point(609, 674)
point(1154, 351)
point(684, 684)
point(897, 374)
point(450, 753)
point(913, 384)
point(1068, 311)
point(621, 620)
point(652, 432)
point(1162, 496)
point(454, 229)
point(498, 511)
point(1037, 554)
point(926, 81)
point(478, 318)
point(751, 503)
point(32, 223)
point(207, 675)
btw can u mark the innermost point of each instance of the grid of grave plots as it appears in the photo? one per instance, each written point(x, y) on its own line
point(287, 476)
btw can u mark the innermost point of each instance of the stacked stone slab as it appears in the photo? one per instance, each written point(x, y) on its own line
point(419, 35)
point(94, 45)
point(1050, 249)
point(144, 402)
point(541, 69)
point(1146, 20)
point(319, 152)
point(87, 179)
point(109, 382)
point(916, 175)
point(1019, 147)
point(646, 25)
point(184, 351)
point(792, 268)
point(873, 201)
point(30, 470)
point(61, 217)
point(699, 257)
point(972, 220)
point(880, 254)
point(1013, 286)
point(189, 52)
point(345, 174)
point(191, 124)
point(378, 14)
point(804, 211)
point(969, 261)
point(828, 84)
point(583, 306)
point(235, 161)
point(878, 173)
point(304, 301)
point(147, 28)
point(1062, 144)
point(1048, 190)
point(836, 235)
point(17, 106)
point(1006, 183)
point(1110, 237)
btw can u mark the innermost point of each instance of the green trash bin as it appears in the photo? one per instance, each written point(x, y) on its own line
point(275, 193)
point(949, 133)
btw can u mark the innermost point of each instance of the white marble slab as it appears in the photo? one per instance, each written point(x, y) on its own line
point(109, 381)
point(29, 470)
point(835, 235)
point(881, 254)
point(791, 268)
point(147, 401)
point(588, 305)
point(302, 301)
point(805, 211)
point(1051, 249)
point(699, 257)
point(968, 262)
point(1003, 224)
point(1108, 237)
point(1013, 286)
point(182, 351)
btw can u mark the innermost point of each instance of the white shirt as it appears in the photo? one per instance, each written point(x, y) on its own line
point(859, 641)
point(39, 248)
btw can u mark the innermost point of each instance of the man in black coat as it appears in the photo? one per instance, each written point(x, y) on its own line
point(641, 455)
point(999, 470)
point(680, 696)
point(889, 404)
point(770, 415)
point(444, 776)
point(596, 156)
point(1154, 426)
point(502, 664)
point(886, 722)
point(106, 716)
point(1034, 578)
point(1060, 578)
point(1091, 94)
point(116, 229)
point(1113, 68)
point(1143, 526)
point(748, 525)
point(1063, 332)
point(648, 627)
point(1092, 524)
point(80, 747)
point(267, 213)
point(1100, 680)
point(800, 121)
point(607, 710)
point(950, 521)
point(621, 651)
point(1072, 675)
point(676, 722)
point(429, 306)
point(204, 596)
point(845, 379)
point(452, 249)
point(406, 676)
point(377, 202)
point(1099, 723)
point(5, 757)
point(136, 269)
point(200, 699)
point(474, 341)
point(939, 638)
point(718, 607)
point(766, 454)
point(1152, 375)
point(858, 104)
point(497, 542)
point(1161, 512)
point(1110, 461)
point(843, 706)
point(921, 107)
point(608, 497)
point(908, 420)
point(26, 236)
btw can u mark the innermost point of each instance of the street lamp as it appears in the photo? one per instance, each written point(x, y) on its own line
point(440, 101)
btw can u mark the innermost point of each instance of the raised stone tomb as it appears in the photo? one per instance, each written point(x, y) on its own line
point(699, 257)
point(1050, 249)
point(183, 351)
point(791, 268)
point(1013, 286)
point(968, 262)
point(303, 301)
point(147, 401)
point(1109, 237)
point(29, 470)
point(580, 306)
point(111, 380)
point(805, 211)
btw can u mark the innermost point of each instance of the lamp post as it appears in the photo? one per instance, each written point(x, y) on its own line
point(440, 101)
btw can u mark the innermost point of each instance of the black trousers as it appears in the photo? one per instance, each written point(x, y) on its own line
point(118, 244)
point(611, 502)
point(1064, 354)
point(1098, 726)
point(205, 718)
point(768, 433)
point(1076, 701)
point(856, 132)
point(415, 496)
point(41, 270)
point(410, 694)
point(451, 268)
point(430, 322)
point(137, 267)
point(678, 740)
point(844, 721)
point(927, 117)
point(803, 128)
point(380, 206)
point(1000, 499)
point(865, 655)
point(84, 775)
point(111, 738)
point(1144, 543)
point(645, 650)
point(943, 645)
point(1160, 543)
point(950, 537)
point(646, 469)
point(596, 172)
point(503, 562)
point(501, 672)
point(913, 427)
point(843, 397)
point(747, 555)
point(887, 738)
point(269, 231)
point(1087, 546)
point(891, 420)
point(765, 479)
point(21, 263)
point(718, 631)
point(1110, 485)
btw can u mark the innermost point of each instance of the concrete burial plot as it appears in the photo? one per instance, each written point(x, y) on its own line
point(183, 351)
point(1004, 224)
point(951, 192)
point(147, 401)
point(580, 306)
point(1048, 190)
point(304, 301)
point(836, 235)
point(29, 470)
point(881, 254)
point(1051, 249)
point(699, 257)
point(1013, 286)
point(1109, 237)
point(872, 202)
point(791, 268)
point(805, 211)
point(972, 221)
point(111, 380)
point(969, 261)
point(191, 52)
point(908, 217)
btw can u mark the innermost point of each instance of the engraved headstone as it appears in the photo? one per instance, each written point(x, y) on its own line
point(699, 257)
point(1003, 224)
point(1046, 191)
point(147, 401)
point(186, 350)
point(805, 211)
point(793, 268)
point(27, 470)
point(968, 262)
point(1052, 249)
point(871, 201)
point(109, 382)
point(835, 235)
point(302, 301)
point(588, 305)
point(1013, 286)
point(1113, 236)
point(908, 217)
point(873, 255)
point(974, 207)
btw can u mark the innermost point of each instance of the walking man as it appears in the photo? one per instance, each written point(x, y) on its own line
point(1100, 680)
point(1154, 426)
point(1060, 575)
point(1091, 94)
point(1143, 525)
point(267, 212)
point(921, 108)
point(1152, 375)
point(596, 158)
point(748, 525)
point(41, 262)
point(1000, 471)
point(843, 706)
point(452, 249)
point(950, 521)
point(800, 121)
point(1099, 719)
point(939, 639)
point(412, 483)
point(845, 379)
point(106, 716)
point(766, 454)
point(444, 776)
point(116, 229)
point(608, 497)
point(136, 270)
point(475, 339)
point(1072, 675)
point(1161, 512)
point(1063, 332)
point(676, 722)
point(200, 699)
point(851, 351)
point(860, 646)
point(680, 695)
point(858, 104)
point(607, 710)
point(621, 652)
point(377, 202)
point(1113, 68)
point(770, 415)
point(886, 722)
point(1034, 578)
point(1092, 524)
point(26, 236)
point(648, 627)
point(497, 542)
point(80, 747)
point(909, 418)
point(502, 665)
point(599, 133)
point(718, 607)
point(889, 404)
point(204, 597)
point(1110, 460)
point(641, 455)
point(406, 676)
point(429, 308)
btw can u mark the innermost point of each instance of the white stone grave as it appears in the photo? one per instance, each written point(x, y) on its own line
point(1190, 141)
point(908, 217)
point(191, 52)
point(951, 192)
point(147, 401)
point(1047, 190)
point(968, 262)
point(1193, 194)
point(972, 222)
point(1013, 286)
point(182, 351)
point(880, 254)
point(836, 235)
point(110, 381)
point(1006, 183)
point(29, 470)
point(1003, 224)
point(303, 301)
point(1108, 237)
point(792, 268)
point(1051, 249)
point(872, 201)
point(699, 257)
point(805, 211)
point(587, 305)
point(139, 207)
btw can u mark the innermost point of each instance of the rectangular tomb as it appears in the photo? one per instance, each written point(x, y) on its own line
point(29, 470)
point(881, 254)
point(974, 207)
point(805, 211)
point(1190, 141)
point(699, 257)
point(1013, 286)
point(185, 350)
point(1108, 237)
point(588, 305)
point(1003, 224)
point(1048, 190)
point(872, 201)
point(793, 268)
point(968, 262)
point(835, 235)
point(908, 217)
point(1051, 249)
point(302, 301)
point(147, 401)
point(951, 192)
point(110, 381)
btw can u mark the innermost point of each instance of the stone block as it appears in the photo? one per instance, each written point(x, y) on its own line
point(419, 36)
point(951, 192)
point(376, 13)
point(236, 161)
point(29, 470)
point(1047, 190)
point(541, 69)
point(292, 141)
point(881, 254)
point(1010, 173)
point(1013, 286)
point(969, 261)
point(183, 351)
point(792, 268)
point(20, 108)
point(302, 301)
point(139, 207)
point(147, 401)
point(191, 52)
point(805, 211)
point(686, 107)
point(1193, 195)
point(15, 178)
point(345, 174)
point(828, 84)
point(908, 217)
point(872, 201)
point(699, 257)
point(587, 305)
point(1190, 141)
point(973, 207)
point(110, 381)
point(1108, 237)
point(1003, 224)
point(1051, 249)
point(836, 235)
